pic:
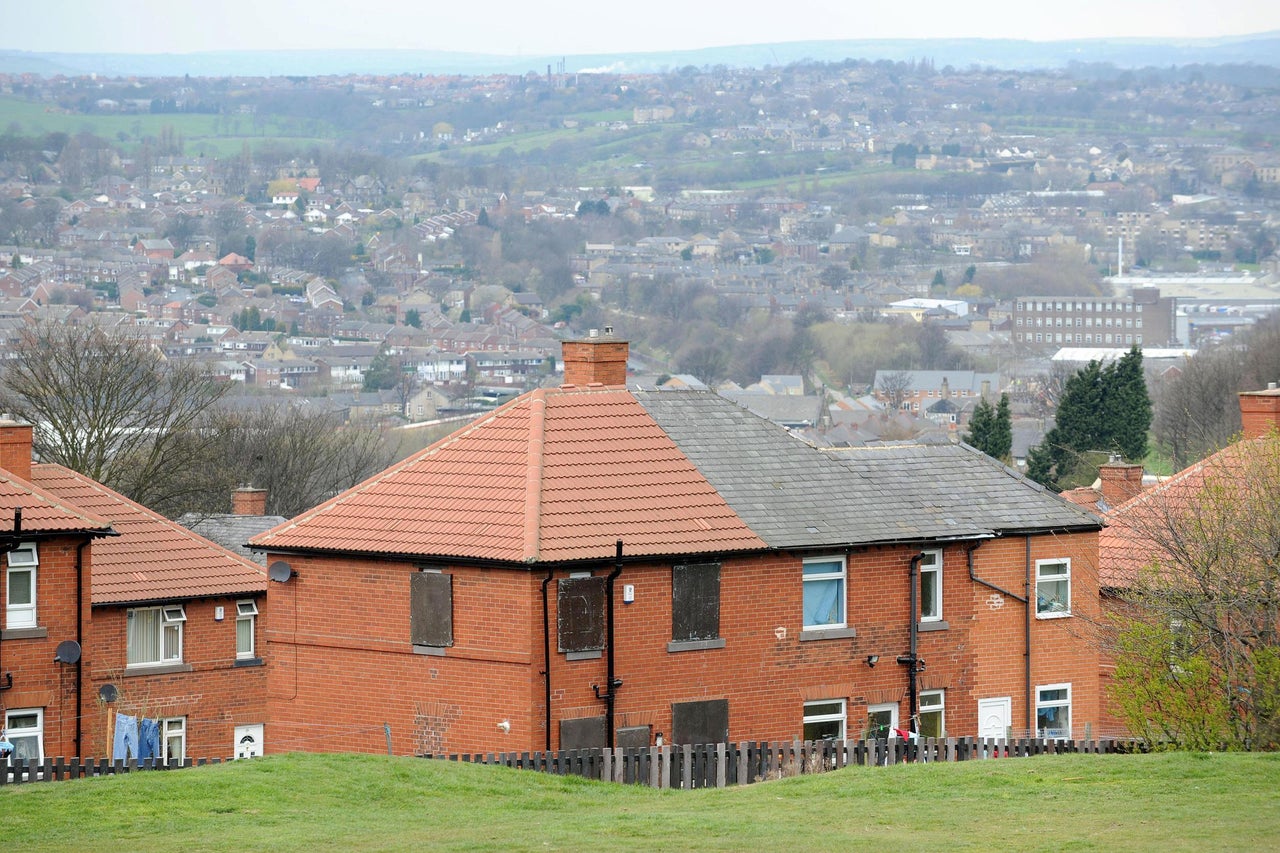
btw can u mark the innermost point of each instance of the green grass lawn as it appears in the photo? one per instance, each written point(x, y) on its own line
point(1115, 803)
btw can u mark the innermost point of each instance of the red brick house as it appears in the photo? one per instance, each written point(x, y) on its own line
point(590, 565)
point(166, 623)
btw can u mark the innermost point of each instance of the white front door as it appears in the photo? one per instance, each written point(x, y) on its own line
point(248, 741)
point(994, 717)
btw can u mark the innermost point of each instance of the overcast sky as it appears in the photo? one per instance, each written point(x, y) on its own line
point(537, 27)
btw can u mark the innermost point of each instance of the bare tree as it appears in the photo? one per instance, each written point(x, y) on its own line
point(109, 406)
point(300, 456)
point(1196, 647)
point(894, 387)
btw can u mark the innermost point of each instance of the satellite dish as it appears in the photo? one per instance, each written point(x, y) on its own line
point(68, 651)
point(280, 571)
point(108, 693)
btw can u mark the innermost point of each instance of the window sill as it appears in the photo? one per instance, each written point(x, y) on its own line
point(430, 651)
point(937, 625)
point(249, 662)
point(1063, 614)
point(24, 634)
point(594, 654)
point(695, 645)
point(167, 669)
point(827, 634)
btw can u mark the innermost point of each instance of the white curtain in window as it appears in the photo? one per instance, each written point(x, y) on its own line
point(144, 636)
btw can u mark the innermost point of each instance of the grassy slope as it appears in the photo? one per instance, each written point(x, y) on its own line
point(1113, 803)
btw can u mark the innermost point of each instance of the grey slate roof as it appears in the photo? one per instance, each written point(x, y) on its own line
point(794, 495)
point(232, 531)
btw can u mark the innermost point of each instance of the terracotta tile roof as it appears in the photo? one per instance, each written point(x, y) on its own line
point(1131, 540)
point(43, 512)
point(554, 475)
point(153, 559)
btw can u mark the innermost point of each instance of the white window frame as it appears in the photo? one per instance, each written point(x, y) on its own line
point(931, 566)
point(890, 708)
point(23, 560)
point(1063, 703)
point(37, 731)
point(173, 729)
point(932, 702)
point(840, 578)
point(246, 612)
point(171, 618)
point(1045, 606)
point(826, 711)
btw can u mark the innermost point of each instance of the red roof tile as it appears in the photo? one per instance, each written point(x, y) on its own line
point(553, 475)
point(153, 558)
point(43, 512)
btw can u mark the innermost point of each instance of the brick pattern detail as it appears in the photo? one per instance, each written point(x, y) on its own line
point(595, 361)
point(1119, 482)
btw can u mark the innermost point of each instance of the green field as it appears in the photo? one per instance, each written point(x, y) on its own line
point(1172, 801)
point(208, 134)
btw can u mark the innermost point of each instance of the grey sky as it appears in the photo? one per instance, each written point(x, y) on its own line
point(516, 27)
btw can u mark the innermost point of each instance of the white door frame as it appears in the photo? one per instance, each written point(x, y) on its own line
point(998, 709)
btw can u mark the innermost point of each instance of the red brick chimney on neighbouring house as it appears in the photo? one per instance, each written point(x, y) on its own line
point(249, 501)
point(596, 359)
point(1260, 411)
point(1120, 481)
point(15, 448)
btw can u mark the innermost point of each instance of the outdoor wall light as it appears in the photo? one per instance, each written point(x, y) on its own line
point(872, 660)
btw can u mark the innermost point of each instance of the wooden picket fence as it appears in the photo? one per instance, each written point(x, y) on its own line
point(682, 767)
point(18, 770)
point(720, 765)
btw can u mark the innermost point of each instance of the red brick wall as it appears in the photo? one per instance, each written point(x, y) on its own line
point(39, 681)
point(215, 696)
point(343, 666)
point(1259, 412)
point(601, 361)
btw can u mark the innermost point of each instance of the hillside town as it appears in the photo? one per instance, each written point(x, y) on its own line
point(786, 539)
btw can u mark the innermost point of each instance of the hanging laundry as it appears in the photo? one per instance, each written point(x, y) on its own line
point(125, 745)
point(149, 739)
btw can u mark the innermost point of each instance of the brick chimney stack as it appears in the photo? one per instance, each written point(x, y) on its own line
point(1120, 481)
point(249, 501)
point(596, 359)
point(1260, 411)
point(15, 447)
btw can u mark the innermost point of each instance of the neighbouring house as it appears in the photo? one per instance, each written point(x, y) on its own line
point(111, 609)
point(231, 530)
point(1143, 522)
point(589, 565)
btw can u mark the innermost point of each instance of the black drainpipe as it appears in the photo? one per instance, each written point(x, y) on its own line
point(80, 639)
point(1026, 639)
point(546, 652)
point(1025, 600)
point(914, 665)
point(610, 694)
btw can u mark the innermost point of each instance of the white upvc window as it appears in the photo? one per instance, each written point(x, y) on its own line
point(1053, 711)
point(24, 728)
point(173, 736)
point(824, 720)
point(1053, 588)
point(246, 616)
point(20, 586)
point(932, 720)
point(155, 635)
point(824, 593)
point(931, 586)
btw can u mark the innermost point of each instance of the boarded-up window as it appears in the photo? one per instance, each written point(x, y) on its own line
point(431, 609)
point(632, 737)
point(580, 614)
point(700, 722)
point(582, 733)
point(695, 602)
